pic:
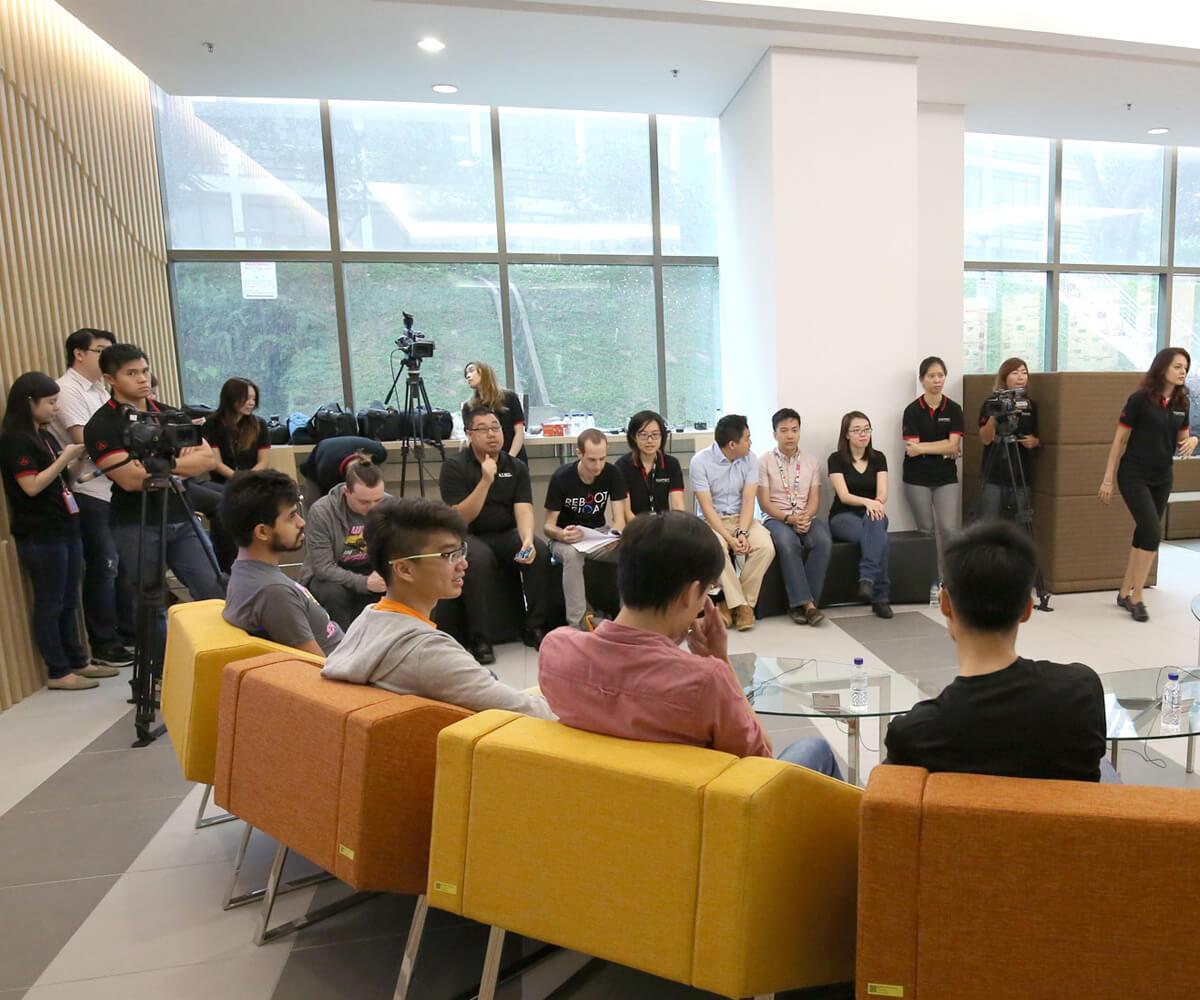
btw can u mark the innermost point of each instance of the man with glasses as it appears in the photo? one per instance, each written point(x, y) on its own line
point(492, 492)
point(417, 546)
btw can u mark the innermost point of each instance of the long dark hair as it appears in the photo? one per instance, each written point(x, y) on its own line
point(27, 388)
point(843, 446)
point(1155, 380)
point(233, 394)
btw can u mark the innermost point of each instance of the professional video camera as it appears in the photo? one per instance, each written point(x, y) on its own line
point(155, 438)
point(1007, 406)
point(416, 346)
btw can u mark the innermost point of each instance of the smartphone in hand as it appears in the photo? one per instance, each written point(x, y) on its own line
point(525, 553)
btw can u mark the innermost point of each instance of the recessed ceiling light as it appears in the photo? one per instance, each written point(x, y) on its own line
point(445, 88)
point(1157, 131)
point(431, 44)
point(466, 163)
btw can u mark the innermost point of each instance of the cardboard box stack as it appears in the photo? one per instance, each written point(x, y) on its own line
point(1082, 543)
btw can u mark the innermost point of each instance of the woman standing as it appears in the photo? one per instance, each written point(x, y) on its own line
point(933, 430)
point(858, 475)
point(653, 479)
point(44, 519)
point(996, 497)
point(240, 438)
point(1154, 422)
point(503, 402)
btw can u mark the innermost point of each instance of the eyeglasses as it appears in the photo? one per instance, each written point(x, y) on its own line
point(860, 430)
point(95, 350)
point(455, 555)
point(648, 435)
point(489, 429)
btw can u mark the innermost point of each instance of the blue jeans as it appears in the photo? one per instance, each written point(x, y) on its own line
point(105, 601)
point(813, 752)
point(188, 553)
point(803, 581)
point(54, 569)
point(872, 539)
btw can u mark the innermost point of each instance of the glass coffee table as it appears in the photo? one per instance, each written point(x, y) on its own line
point(820, 689)
point(1133, 708)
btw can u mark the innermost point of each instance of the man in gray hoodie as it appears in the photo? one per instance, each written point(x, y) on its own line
point(416, 546)
point(335, 559)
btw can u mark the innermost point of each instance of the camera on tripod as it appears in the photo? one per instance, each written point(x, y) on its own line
point(155, 439)
point(415, 345)
point(1007, 406)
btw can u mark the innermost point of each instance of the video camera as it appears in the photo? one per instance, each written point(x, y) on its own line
point(156, 438)
point(1007, 406)
point(416, 346)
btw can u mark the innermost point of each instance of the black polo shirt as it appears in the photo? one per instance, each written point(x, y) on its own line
point(650, 492)
point(45, 516)
point(104, 435)
point(998, 474)
point(1154, 427)
point(461, 474)
point(926, 425)
point(223, 437)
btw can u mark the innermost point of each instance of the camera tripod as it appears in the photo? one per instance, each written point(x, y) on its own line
point(1008, 446)
point(416, 412)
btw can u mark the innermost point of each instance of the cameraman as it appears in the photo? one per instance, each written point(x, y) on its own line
point(127, 375)
point(997, 498)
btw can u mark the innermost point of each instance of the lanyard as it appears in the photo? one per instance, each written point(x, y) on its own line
point(637, 460)
point(793, 492)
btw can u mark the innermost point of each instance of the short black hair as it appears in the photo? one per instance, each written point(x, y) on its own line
point(398, 528)
point(660, 555)
point(779, 416)
point(730, 429)
point(640, 420)
point(472, 412)
point(990, 569)
point(252, 498)
point(929, 362)
point(120, 354)
point(82, 339)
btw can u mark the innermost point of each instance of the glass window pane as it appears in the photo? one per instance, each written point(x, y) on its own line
point(243, 174)
point(583, 339)
point(1006, 194)
point(1187, 209)
point(457, 306)
point(1107, 322)
point(1185, 315)
point(575, 181)
point(1004, 316)
point(687, 185)
point(287, 345)
point(691, 312)
point(1112, 203)
point(413, 176)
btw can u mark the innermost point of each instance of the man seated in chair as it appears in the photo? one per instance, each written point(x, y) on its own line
point(417, 546)
point(630, 679)
point(261, 511)
point(1003, 714)
point(491, 490)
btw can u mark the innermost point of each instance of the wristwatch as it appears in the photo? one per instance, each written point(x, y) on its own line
point(740, 532)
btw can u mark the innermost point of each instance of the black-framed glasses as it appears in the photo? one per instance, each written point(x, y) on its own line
point(648, 435)
point(490, 428)
point(861, 430)
point(453, 556)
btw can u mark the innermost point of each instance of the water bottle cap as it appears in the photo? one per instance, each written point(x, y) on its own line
point(1172, 675)
point(858, 661)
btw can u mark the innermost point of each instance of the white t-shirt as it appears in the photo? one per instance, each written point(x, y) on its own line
point(78, 399)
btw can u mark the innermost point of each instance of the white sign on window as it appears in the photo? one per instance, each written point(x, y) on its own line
point(258, 280)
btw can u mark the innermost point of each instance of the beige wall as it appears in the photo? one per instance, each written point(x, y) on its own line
point(81, 234)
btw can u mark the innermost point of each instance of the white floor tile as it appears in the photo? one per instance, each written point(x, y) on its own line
point(248, 977)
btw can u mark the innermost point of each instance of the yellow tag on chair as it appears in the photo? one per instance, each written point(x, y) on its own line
point(884, 990)
point(447, 887)
point(345, 851)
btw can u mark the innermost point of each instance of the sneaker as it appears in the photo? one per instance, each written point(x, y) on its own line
point(814, 615)
point(114, 656)
point(95, 671)
point(1139, 612)
point(743, 618)
point(72, 682)
point(1125, 602)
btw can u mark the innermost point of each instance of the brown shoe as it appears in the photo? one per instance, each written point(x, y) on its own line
point(813, 615)
point(72, 682)
point(743, 618)
point(725, 613)
point(95, 670)
point(798, 615)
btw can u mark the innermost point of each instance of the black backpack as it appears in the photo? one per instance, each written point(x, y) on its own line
point(277, 432)
point(382, 423)
point(331, 420)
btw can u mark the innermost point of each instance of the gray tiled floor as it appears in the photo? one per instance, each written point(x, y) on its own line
point(110, 776)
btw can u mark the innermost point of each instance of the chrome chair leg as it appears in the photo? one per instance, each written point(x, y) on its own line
point(254, 895)
point(201, 822)
point(264, 932)
point(409, 962)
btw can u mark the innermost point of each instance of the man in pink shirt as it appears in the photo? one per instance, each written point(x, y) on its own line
point(631, 679)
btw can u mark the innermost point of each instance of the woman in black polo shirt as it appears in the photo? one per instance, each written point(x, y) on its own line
point(653, 479)
point(997, 496)
point(44, 520)
point(240, 437)
point(504, 403)
point(1153, 424)
point(933, 430)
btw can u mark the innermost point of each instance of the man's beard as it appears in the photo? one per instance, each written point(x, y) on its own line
point(276, 547)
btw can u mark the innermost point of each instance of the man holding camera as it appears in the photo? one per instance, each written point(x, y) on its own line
point(491, 490)
point(189, 553)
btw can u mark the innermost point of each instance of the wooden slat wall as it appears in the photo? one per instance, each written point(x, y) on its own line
point(81, 232)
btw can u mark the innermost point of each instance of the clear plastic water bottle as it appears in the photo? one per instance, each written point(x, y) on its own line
point(858, 685)
point(716, 418)
point(591, 420)
point(1169, 721)
point(935, 594)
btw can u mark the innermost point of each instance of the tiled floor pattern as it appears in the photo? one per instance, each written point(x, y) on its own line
point(106, 891)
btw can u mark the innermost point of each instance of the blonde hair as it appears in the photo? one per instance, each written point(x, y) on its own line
point(488, 393)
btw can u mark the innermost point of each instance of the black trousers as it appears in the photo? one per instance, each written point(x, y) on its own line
point(490, 557)
point(1147, 502)
point(342, 604)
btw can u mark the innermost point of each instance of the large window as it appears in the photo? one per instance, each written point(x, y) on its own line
point(1083, 288)
point(573, 251)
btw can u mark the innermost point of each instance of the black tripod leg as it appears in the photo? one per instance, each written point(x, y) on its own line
point(151, 599)
point(178, 489)
point(1016, 472)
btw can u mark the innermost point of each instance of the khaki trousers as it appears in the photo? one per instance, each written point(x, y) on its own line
point(744, 590)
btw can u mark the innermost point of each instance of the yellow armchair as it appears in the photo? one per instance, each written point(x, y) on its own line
point(731, 875)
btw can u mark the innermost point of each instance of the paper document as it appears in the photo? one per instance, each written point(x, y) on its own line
point(594, 540)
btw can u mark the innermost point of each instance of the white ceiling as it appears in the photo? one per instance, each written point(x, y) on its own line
point(619, 57)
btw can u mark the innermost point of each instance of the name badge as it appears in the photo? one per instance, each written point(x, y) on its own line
point(943, 420)
point(69, 500)
point(504, 475)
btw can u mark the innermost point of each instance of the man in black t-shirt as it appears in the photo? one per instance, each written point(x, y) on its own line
point(491, 490)
point(578, 498)
point(1003, 714)
point(189, 553)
